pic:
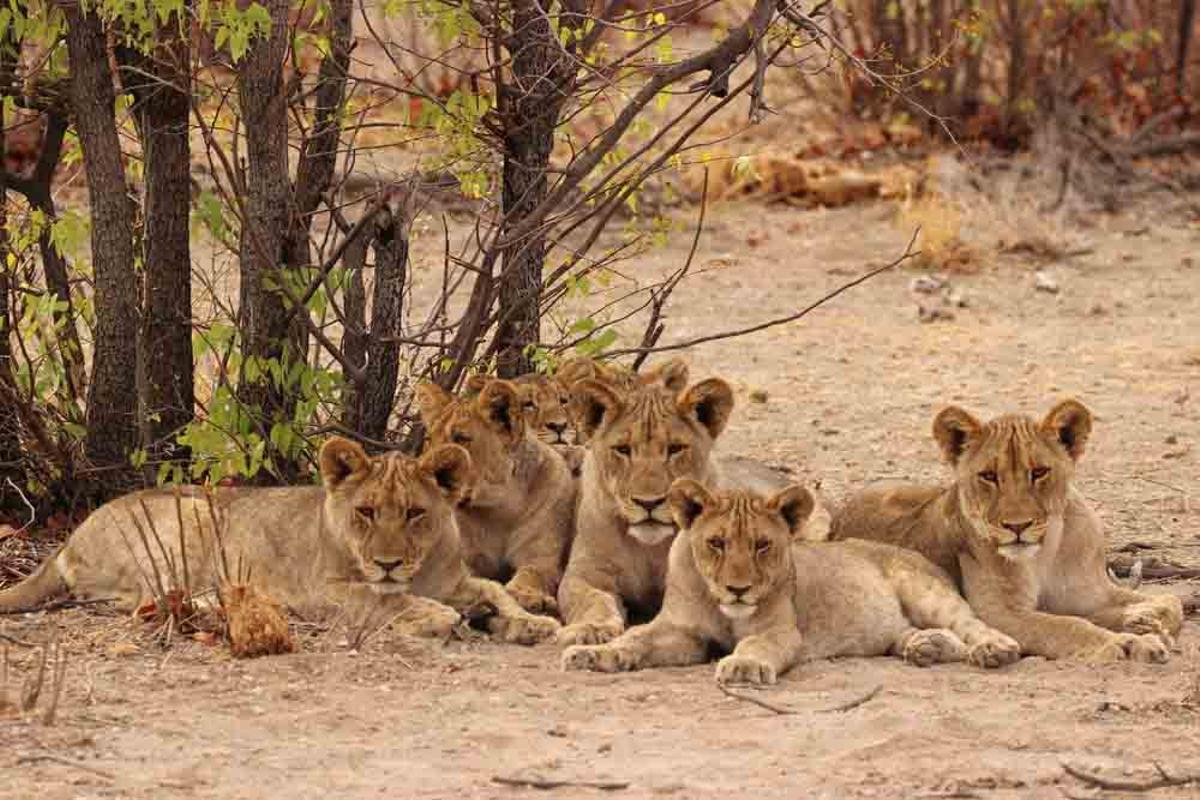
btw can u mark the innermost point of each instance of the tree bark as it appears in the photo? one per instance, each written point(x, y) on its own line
point(263, 310)
point(530, 109)
point(11, 456)
point(161, 88)
point(376, 396)
point(1187, 22)
point(112, 429)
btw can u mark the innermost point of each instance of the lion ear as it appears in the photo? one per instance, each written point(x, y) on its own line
point(596, 403)
point(500, 402)
point(341, 460)
point(688, 499)
point(1070, 424)
point(431, 401)
point(794, 503)
point(710, 403)
point(954, 430)
point(449, 466)
point(671, 375)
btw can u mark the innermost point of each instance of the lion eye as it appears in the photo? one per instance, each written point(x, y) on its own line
point(989, 476)
point(623, 450)
point(762, 546)
point(414, 513)
point(716, 545)
point(1037, 473)
point(676, 449)
point(460, 438)
point(366, 512)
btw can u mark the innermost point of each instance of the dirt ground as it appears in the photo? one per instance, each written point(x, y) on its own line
point(845, 397)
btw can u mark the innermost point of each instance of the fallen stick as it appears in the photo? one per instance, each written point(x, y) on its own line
point(538, 782)
point(33, 758)
point(58, 604)
point(847, 706)
point(1163, 780)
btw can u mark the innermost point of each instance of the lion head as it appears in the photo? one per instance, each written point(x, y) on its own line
point(391, 510)
point(1013, 473)
point(546, 404)
point(740, 540)
point(488, 424)
point(642, 439)
point(671, 375)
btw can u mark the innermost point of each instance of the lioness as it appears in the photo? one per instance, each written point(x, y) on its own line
point(384, 525)
point(639, 441)
point(517, 519)
point(1023, 544)
point(739, 579)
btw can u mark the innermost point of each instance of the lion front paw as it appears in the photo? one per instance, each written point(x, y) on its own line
point(532, 600)
point(996, 650)
point(597, 658)
point(525, 629)
point(743, 669)
point(430, 621)
point(590, 633)
point(933, 646)
point(1161, 616)
point(1147, 648)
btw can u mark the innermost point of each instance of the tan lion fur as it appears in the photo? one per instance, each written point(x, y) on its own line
point(516, 521)
point(1025, 547)
point(739, 579)
point(380, 530)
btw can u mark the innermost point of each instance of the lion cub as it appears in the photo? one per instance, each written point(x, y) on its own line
point(517, 519)
point(380, 530)
point(1023, 544)
point(738, 578)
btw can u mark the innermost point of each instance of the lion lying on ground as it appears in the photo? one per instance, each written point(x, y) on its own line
point(737, 579)
point(517, 520)
point(1023, 544)
point(380, 530)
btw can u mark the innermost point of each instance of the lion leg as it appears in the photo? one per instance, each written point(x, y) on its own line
point(932, 603)
point(510, 622)
point(761, 658)
point(1133, 612)
point(658, 644)
point(593, 616)
point(1054, 635)
point(421, 616)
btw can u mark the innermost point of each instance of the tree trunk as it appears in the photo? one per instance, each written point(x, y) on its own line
point(530, 107)
point(376, 396)
point(263, 310)
point(161, 88)
point(112, 429)
point(1187, 23)
point(11, 457)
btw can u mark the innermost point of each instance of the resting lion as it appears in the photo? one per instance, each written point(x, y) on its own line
point(738, 580)
point(517, 519)
point(380, 529)
point(1021, 541)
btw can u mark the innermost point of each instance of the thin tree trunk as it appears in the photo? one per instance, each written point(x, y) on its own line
point(354, 336)
point(1187, 24)
point(377, 395)
point(263, 310)
point(1017, 56)
point(162, 88)
point(112, 429)
point(531, 107)
point(11, 457)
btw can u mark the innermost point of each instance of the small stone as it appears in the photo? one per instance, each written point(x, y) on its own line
point(927, 284)
point(1045, 282)
point(933, 313)
point(1172, 439)
point(758, 396)
point(559, 731)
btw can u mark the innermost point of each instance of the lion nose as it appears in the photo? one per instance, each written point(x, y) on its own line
point(650, 504)
point(737, 591)
point(557, 428)
point(1018, 527)
point(388, 566)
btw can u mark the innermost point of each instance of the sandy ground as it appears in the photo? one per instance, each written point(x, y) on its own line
point(849, 394)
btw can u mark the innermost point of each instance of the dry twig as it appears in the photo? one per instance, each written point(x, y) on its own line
point(1162, 781)
point(846, 706)
point(538, 782)
point(33, 758)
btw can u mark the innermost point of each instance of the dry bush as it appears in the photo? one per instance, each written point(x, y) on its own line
point(256, 624)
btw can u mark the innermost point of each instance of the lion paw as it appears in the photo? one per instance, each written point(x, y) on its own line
point(997, 650)
point(532, 600)
point(590, 633)
point(742, 669)
point(933, 646)
point(433, 622)
point(525, 629)
point(1161, 616)
point(1147, 648)
point(597, 658)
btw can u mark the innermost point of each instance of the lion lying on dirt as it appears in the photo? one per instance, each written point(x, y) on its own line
point(380, 530)
point(517, 519)
point(1023, 544)
point(737, 579)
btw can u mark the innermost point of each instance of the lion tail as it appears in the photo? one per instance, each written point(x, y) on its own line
point(46, 583)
